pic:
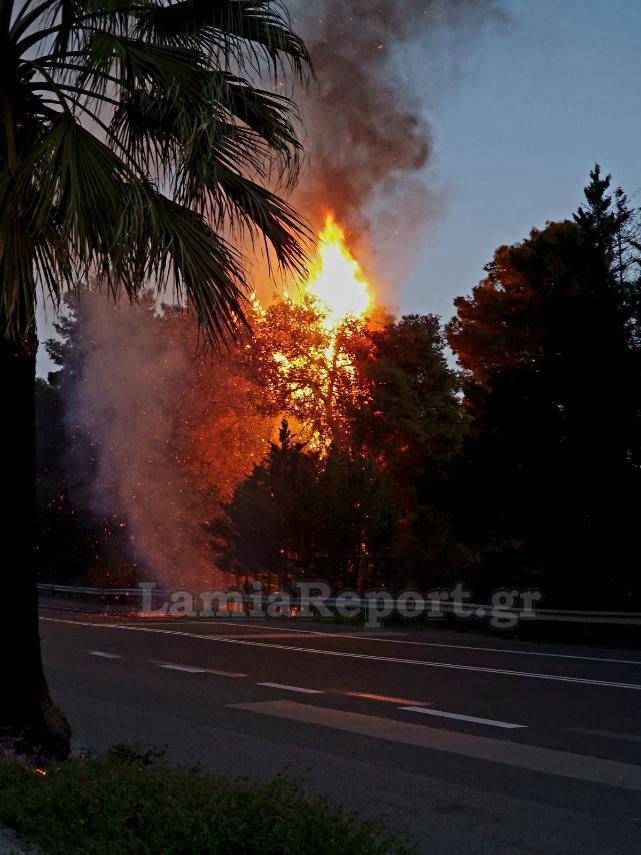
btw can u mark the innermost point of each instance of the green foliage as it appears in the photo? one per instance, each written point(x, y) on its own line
point(135, 802)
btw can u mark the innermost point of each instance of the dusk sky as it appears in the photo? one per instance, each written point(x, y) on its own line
point(536, 105)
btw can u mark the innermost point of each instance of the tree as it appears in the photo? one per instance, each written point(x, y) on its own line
point(218, 404)
point(131, 133)
point(551, 379)
point(303, 513)
point(413, 426)
point(358, 522)
point(272, 515)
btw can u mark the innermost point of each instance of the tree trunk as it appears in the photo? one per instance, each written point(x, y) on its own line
point(28, 716)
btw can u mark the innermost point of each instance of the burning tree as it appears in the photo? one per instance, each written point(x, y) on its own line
point(304, 350)
point(306, 370)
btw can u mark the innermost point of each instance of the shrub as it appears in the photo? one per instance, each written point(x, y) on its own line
point(132, 802)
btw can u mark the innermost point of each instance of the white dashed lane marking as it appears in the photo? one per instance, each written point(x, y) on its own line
point(458, 717)
point(194, 669)
point(413, 706)
point(291, 688)
point(225, 673)
point(189, 669)
point(388, 699)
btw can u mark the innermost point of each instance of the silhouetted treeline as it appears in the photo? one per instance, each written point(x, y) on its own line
point(550, 346)
point(521, 468)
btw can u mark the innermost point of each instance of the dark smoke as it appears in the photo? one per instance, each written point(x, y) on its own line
point(368, 137)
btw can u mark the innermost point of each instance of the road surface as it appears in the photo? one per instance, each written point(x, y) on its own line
point(471, 744)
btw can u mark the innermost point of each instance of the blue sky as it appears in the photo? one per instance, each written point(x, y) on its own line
point(536, 105)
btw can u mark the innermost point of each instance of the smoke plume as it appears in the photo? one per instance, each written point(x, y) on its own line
point(122, 398)
point(158, 435)
point(368, 137)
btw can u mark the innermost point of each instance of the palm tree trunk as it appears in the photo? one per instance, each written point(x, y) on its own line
point(27, 713)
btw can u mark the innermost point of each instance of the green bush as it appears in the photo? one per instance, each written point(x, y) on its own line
point(130, 802)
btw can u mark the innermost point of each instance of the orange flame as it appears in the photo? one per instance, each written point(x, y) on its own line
point(313, 384)
point(336, 280)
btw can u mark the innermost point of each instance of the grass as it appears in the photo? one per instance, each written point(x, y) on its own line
point(132, 802)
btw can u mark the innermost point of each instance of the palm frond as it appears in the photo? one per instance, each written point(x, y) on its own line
point(177, 245)
point(135, 138)
point(229, 26)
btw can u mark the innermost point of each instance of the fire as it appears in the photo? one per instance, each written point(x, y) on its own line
point(304, 345)
point(336, 280)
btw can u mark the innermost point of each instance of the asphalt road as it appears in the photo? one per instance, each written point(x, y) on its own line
point(472, 744)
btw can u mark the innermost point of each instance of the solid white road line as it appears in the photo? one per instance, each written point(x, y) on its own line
point(104, 655)
point(291, 688)
point(509, 650)
point(221, 639)
point(474, 719)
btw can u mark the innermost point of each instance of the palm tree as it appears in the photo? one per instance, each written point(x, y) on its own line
point(133, 132)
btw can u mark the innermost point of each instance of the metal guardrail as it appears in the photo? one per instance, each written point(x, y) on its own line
point(46, 588)
point(611, 618)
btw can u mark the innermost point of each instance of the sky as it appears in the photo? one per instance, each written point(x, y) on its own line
point(535, 103)
point(535, 106)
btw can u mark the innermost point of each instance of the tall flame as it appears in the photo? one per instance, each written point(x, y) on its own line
point(336, 279)
point(307, 351)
